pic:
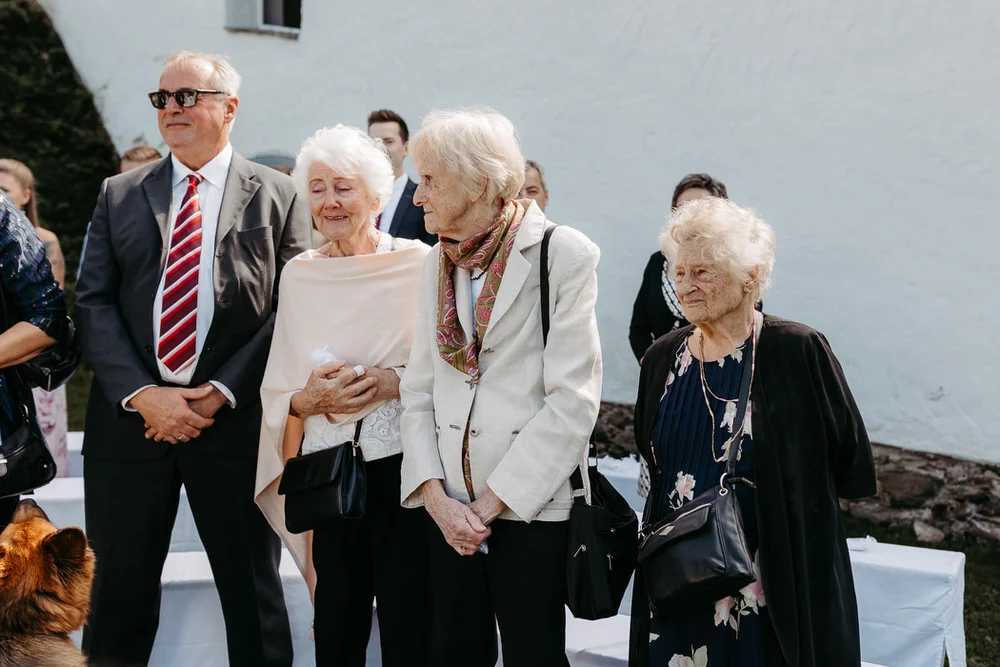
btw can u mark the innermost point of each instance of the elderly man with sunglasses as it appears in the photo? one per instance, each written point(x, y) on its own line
point(175, 303)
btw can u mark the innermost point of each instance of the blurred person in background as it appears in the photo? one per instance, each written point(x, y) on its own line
point(137, 156)
point(534, 184)
point(401, 217)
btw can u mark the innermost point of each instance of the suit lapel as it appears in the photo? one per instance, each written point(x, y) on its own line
point(241, 186)
point(518, 268)
point(405, 202)
point(158, 189)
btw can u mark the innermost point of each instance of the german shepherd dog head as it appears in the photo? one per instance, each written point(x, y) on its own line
point(45, 580)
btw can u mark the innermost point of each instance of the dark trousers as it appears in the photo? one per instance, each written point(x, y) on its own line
point(520, 586)
point(382, 556)
point(7, 507)
point(130, 510)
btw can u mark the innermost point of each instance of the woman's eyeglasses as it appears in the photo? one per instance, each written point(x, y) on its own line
point(185, 97)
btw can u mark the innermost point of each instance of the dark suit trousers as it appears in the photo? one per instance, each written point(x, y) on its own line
point(384, 556)
point(130, 510)
point(520, 586)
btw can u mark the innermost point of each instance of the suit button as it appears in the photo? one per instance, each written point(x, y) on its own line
point(209, 350)
point(223, 302)
point(473, 432)
point(148, 348)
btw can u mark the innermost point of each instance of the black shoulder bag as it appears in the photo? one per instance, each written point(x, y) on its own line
point(698, 554)
point(603, 535)
point(325, 487)
point(25, 461)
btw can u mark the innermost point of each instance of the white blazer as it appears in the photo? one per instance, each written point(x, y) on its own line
point(531, 416)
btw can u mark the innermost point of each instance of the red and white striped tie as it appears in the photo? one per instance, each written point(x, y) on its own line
point(179, 313)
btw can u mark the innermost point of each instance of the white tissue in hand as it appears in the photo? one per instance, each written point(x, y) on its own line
point(322, 355)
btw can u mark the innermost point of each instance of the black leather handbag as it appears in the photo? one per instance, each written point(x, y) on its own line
point(603, 535)
point(53, 366)
point(325, 487)
point(25, 461)
point(698, 554)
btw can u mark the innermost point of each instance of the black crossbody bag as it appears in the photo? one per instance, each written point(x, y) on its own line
point(698, 554)
point(325, 487)
point(604, 535)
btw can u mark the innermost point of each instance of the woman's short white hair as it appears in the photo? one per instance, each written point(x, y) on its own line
point(478, 146)
point(732, 237)
point(224, 75)
point(351, 153)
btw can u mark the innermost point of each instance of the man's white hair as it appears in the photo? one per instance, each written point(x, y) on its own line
point(351, 153)
point(732, 237)
point(478, 146)
point(224, 75)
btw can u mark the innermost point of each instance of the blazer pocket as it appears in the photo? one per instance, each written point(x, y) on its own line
point(250, 236)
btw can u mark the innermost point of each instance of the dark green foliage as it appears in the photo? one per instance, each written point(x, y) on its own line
point(48, 120)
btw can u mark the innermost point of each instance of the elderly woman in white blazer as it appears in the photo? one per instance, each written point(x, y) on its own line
point(495, 422)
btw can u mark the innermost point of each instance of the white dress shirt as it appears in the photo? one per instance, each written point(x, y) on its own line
point(390, 210)
point(210, 192)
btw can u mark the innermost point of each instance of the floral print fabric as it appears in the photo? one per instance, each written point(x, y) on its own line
point(735, 631)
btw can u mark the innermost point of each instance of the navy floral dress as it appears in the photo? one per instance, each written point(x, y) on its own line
point(735, 631)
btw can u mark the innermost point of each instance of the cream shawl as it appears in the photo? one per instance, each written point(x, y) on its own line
point(364, 309)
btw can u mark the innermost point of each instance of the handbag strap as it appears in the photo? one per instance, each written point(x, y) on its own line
point(354, 443)
point(576, 479)
point(741, 404)
point(544, 282)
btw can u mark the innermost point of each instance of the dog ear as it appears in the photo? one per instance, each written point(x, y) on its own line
point(66, 551)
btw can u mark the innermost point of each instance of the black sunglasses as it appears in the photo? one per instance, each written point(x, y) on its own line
point(185, 97)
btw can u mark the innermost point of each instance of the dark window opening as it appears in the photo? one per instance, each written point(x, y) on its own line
point(285, 13)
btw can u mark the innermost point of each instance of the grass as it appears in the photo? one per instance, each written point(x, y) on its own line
point(982, 569)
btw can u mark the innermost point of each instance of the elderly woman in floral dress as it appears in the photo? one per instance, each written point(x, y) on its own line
point(802, 445)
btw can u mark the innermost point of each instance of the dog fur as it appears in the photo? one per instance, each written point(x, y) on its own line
point(45, 580)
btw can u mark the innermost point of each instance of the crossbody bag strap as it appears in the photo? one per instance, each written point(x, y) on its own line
point(354, 443)
point(544, 283)
point(741, 404)
point(576, 479)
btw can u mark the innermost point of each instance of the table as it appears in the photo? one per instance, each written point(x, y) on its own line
point(910, 602)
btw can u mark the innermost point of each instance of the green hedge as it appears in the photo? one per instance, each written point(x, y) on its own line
point(48, 120)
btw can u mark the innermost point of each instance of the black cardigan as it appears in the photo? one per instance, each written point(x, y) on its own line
point(810, 447)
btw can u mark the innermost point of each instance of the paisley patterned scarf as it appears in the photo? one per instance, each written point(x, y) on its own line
point(485, 252)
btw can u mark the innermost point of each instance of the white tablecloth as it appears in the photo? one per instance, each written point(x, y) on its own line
point(911, 603)
point(62, 500)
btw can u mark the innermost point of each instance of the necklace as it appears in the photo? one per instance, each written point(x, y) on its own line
point(706, 390)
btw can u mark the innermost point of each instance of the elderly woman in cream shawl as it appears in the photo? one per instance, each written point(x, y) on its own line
point(342, 336)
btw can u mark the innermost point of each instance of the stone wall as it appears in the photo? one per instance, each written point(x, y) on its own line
point(935, 496)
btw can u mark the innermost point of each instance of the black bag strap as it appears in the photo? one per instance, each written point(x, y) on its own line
point(354, 443)
point(576, 479)
point(741, 404)
point(546, 235)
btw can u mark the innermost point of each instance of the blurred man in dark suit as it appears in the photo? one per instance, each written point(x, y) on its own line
point(401, 218)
